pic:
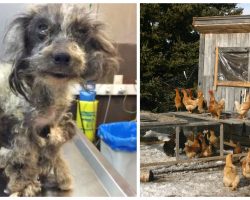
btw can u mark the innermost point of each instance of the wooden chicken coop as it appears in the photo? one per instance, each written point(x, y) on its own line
point(224, 66)
point(224, 57)
point(181, 122)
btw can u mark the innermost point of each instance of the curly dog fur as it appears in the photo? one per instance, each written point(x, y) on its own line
point(51, 48)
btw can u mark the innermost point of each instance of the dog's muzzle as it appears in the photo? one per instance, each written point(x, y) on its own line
point(61, 59)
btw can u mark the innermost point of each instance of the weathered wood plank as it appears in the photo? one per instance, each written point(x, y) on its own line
point(216, 68)
point(150, 124)
point(206, 55)
point(233, 83)
point(243, 43)
point(223, 29)
point(155, 164)
point(219, 20)
point(235, 47)
point(218, 44)
point(223, 42)
point(205, 116)
point(201, 61)
point(232, 42)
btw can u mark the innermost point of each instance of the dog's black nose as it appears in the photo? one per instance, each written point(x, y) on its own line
point(61, 58)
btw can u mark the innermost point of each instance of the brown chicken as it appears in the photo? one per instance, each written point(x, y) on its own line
point(206, 150)
point(215, 108)
point(202, 141)
point(213, 140)
point(237, 148)
point(230, 178)
point(243, 108)
point(201, 102)
point(190, 139)
point(177, 99)
point(190, 93)
point(194, 149)
point(246, 166)
point(188, 102)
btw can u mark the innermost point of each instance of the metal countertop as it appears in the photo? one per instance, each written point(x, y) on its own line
point(92, 174)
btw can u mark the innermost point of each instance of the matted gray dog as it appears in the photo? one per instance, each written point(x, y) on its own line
point(49, 48)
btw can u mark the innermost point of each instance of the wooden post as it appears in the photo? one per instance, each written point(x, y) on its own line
point(221, 140)
point(216, 68)
point(248, 66)
point(177, 142)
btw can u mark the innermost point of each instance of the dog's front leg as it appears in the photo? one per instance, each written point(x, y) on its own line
point(5, 155)
point(62, 174)
point(30, 190)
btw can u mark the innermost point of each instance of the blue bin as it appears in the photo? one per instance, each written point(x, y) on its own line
point(119, 136)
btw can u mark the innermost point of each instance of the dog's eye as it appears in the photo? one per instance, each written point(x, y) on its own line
point(42, 31)
point(82, 30)
point(42, 27)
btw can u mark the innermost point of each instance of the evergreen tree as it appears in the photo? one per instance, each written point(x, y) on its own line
point(169, 47)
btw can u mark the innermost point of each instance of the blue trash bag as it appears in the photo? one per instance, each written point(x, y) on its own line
point(120, 136)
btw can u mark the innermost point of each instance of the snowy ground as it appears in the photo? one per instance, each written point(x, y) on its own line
point(154, 153)
point(207, 183)
point(192, 183)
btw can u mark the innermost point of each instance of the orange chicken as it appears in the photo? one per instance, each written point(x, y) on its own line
point(230, 178)
point(215, 108)
point(237, 148)
point(188, 102)
point(206, 150)
point(246, 166)
point(243, 108)
point(194, 149)
point(190, 139)
point(213, 140)
point(190, 93)
point(202, 141)
point(177, 99)
point(201, 102)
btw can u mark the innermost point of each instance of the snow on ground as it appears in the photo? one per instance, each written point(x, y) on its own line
point(206, 183)
point(154, 153)
point(192, 183)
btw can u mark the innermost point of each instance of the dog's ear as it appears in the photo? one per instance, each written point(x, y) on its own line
point(14, 52)
point(102, 57)
point(14, 39)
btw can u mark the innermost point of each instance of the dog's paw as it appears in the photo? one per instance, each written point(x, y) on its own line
point(31, 190)
point(65, 183)
point(66, 186)
point(56, 136)
point(70, 129)
point(15, 194)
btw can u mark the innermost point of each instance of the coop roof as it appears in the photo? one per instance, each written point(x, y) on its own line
point(222, 24)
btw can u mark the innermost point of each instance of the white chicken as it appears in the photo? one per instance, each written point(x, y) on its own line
point(243, 108)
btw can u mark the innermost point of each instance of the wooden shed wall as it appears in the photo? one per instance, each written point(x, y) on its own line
point(208, 43)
